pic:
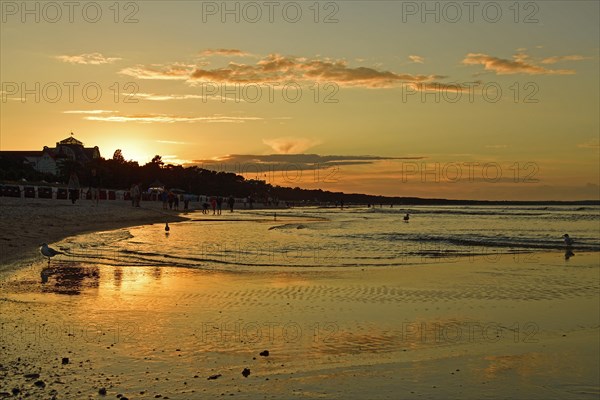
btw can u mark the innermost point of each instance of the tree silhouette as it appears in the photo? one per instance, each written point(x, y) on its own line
point(157, 160)
point(118, 156)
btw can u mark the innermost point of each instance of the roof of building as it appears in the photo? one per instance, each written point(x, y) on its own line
point(70, 140)
point(66, 148)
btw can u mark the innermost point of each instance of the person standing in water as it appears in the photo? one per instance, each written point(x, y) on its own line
point(568, 241)
point(569, 246)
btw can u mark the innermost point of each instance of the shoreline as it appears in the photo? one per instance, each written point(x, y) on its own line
point(82, 327)
point(26, 223)
point(381, 333)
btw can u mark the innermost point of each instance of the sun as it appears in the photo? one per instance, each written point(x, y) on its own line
point(135, 152)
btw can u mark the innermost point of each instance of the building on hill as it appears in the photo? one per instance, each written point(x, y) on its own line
point(49, 159)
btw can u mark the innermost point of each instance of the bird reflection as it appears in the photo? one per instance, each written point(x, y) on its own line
point(70, 280)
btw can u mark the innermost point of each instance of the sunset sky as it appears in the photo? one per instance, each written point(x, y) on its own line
point(496, 102)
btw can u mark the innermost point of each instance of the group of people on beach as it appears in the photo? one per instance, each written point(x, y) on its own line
point(170, 200)
point(216, 203)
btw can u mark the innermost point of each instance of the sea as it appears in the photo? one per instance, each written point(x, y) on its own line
point(314, 237)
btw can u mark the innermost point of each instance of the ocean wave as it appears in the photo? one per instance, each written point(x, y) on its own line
point(495, 241)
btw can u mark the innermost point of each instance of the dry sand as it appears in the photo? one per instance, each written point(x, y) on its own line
point(520, 328)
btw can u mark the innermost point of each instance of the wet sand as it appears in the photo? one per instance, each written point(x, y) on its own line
point(26, 223)
point(522, 327)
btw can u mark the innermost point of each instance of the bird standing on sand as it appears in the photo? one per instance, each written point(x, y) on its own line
point(167, 229)
point(568, 240)
point(49, 251)
point(406, 217)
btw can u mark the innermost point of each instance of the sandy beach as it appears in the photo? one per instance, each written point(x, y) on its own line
point(26, 223)
point(520, 327)
point(388, 200)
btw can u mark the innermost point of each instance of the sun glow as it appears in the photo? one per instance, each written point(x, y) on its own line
point(135, 152)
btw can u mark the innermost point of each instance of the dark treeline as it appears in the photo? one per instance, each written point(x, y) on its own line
point(117, 173)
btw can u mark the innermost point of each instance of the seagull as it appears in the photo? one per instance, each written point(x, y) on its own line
point(49, 251)
point(568, 240)
point(406, 218)
point(167, 229)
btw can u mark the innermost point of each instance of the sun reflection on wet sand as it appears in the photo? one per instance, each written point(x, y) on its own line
point(150, 328)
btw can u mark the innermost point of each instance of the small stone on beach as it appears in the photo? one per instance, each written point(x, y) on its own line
point(264, 353)
point(246, 372)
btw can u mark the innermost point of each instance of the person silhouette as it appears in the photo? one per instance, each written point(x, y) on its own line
point(73, 187)
point(568, 240)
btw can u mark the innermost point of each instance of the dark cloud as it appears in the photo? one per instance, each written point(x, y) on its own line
point(288, 162)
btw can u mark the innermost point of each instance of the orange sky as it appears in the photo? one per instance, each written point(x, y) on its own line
point(371, 97)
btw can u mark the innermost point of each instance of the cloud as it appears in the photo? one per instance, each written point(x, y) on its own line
point(169, 97)
point(224, 52)
point(276, 68)
point(288, 162)
point(175, 71)
point(174, 159)
point(417, 59)
point(170, 142)
point(279, 68)
point(165, 118)
point(555, 59)
point(288, 145)
point(88, 112)
point(166, 97)
point(590, 144)
point(519, 65)
point(88, 59)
